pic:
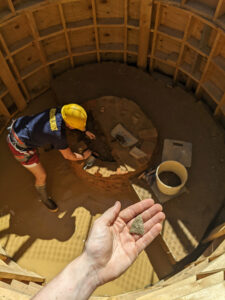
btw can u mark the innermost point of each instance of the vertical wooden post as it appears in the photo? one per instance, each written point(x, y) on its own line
point(10, 83)
point(207, 63)
point(66, 34)
point(95, 28)
point(145, 21)
point(155, 35)
point(182, 47)
point(11, 6)
point(125, 30)
point(217, 11)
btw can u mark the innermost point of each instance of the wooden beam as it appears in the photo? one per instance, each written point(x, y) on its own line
point(95, 28)
point(11, 6)
point(215, 233)
point(68, 45)
point(217, 11)
point(11, 84)
point(202, 275)
point(207, 63)
point(179, 60)
point(155, 33)
point(125, 30)
point(144, 33)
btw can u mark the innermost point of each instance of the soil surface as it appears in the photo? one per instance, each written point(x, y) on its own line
point(175, 113)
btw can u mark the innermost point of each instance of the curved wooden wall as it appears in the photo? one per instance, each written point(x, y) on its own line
point(41, 39)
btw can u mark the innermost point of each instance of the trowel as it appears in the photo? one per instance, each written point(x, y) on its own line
point(89, 162)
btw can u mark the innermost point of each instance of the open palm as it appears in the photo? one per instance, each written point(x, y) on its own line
point(110, 246)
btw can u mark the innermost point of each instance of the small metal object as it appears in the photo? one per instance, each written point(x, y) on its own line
point(89, 163)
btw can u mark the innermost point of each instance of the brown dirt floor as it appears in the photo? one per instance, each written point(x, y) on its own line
point(175, 113)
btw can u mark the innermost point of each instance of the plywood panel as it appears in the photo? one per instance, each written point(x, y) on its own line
point(24, 4)
point(131, 59)
point(111, 36)
point(60, 67)
point(85, 59)
point(216, 76)
point(132, 39)
point(112, 57)
point(210, 3)
point(164, 68)
point(48, 20)
point(107, 10)
point(82, 40)
point(78, 13)
point(133, 12)
point(167, 48)
point(201, 36)
point(9, 104)
point(16, 32)
point(173, 17)
point(204, 7)
point(37, 83)
point(4, 8)
point(26, 57)
point(55, 47)
point(189, 56)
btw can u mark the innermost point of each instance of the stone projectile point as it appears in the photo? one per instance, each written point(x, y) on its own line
point(137, 226)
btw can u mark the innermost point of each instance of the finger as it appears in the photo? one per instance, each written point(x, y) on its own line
point(147, 238)
point(111, 214)
point(132, 211)
point(148, 214)
point(156, 219)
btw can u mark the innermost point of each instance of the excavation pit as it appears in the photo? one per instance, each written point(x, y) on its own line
point(115, 161)
point(41, 40)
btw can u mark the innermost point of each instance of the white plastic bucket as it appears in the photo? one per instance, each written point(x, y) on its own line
point(175, 167)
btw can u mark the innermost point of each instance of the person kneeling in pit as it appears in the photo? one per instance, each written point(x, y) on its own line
point(27, 133)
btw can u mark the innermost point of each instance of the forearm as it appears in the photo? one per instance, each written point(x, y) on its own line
point(76, 282)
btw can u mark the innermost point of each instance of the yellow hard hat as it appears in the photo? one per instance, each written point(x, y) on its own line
point(75, 116)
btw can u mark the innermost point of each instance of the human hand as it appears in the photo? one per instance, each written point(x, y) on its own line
point(90, 135)
point(86, 154)
point(110, 248)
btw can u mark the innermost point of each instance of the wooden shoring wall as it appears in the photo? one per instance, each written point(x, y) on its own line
point(41, 39)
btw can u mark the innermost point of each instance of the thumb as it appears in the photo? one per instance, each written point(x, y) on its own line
point(111, 214)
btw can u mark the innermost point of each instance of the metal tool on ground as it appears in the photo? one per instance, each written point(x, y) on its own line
point(89, 162)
